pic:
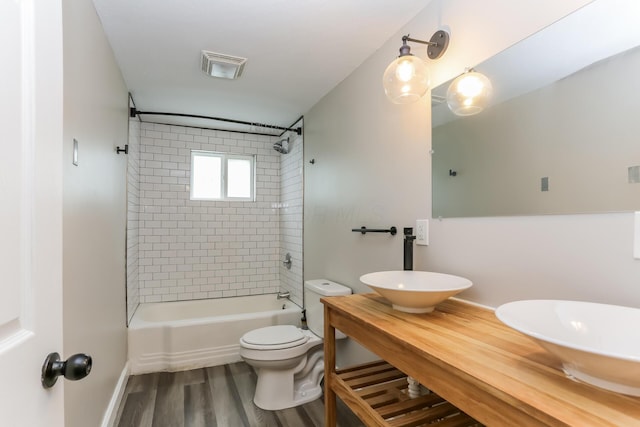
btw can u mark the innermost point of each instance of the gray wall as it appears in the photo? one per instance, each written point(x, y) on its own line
point(94, 213)
point(373, 168)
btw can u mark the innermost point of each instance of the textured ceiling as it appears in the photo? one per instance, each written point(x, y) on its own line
point(297, 50)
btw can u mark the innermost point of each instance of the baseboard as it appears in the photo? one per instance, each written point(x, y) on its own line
point(111, 413)
point(181, 361)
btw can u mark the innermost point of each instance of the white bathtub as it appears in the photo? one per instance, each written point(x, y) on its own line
point(175, 336)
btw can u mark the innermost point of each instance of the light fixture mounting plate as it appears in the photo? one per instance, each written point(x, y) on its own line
point(438, 44)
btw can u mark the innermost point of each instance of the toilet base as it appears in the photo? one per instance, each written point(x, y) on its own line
point(302, 394)
point(282, 389)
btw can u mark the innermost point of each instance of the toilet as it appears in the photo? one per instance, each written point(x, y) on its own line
point(290, 360)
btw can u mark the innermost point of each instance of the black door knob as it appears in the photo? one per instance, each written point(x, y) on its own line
point(74, 368)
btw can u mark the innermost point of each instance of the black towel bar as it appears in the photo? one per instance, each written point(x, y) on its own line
point(365, 230)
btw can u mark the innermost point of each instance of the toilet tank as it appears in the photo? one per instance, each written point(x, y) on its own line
point(313, 291)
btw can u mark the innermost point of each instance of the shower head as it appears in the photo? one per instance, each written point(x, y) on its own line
point(282, 146)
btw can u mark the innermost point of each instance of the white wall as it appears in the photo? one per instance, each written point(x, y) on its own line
point(193, 249)
point(373, 168)
point(94, 213)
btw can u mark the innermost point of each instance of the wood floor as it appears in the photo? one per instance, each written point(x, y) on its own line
point(220, 396)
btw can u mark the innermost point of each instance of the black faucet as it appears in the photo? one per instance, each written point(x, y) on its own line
point(408, 248)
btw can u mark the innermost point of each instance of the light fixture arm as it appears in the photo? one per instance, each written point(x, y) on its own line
point(437, 45)
point(406, 39)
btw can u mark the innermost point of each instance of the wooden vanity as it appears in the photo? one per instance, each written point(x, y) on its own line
point(464, 354)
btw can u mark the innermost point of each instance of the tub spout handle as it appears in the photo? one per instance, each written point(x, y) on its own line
point(284, 295)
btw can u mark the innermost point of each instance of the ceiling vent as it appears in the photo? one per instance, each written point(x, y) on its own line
point(223, 66)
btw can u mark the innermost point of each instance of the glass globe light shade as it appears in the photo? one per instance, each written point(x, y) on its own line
point(469, 93)
point(406, 79)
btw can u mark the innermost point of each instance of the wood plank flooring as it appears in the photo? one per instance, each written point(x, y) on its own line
point(220, 396)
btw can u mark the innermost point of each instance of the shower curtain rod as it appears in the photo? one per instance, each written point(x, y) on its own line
point(298, 130)
point(244, 132)
point(133, 112)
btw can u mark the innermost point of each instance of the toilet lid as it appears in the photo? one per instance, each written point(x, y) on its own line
point(275, 337)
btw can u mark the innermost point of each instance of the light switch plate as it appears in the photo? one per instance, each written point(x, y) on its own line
point(636, 235)
point(75, 152)
point(422, 232)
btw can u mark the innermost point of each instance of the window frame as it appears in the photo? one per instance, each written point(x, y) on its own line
point(224, 178)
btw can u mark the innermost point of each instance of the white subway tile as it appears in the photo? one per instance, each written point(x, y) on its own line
point(234, 242)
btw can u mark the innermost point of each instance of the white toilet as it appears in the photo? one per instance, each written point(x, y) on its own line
point(290, 360)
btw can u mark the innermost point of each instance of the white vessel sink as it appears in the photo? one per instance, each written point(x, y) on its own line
point(597, 343)
point(415, 291)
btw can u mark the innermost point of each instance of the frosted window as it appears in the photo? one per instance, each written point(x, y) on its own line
point(221, 176)
point(239, 178)
point(206, 176)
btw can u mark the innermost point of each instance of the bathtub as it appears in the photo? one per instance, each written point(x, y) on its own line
point(175, 336)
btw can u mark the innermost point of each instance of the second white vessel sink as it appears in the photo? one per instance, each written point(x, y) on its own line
point(415, 291)
point(598, 344)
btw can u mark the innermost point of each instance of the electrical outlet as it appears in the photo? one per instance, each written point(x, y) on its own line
point(422, 232)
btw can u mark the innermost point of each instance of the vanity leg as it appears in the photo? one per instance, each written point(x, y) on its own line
point(329, 370)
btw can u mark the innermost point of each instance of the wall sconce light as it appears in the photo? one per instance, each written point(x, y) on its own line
point(406, 79)
point(469, 93)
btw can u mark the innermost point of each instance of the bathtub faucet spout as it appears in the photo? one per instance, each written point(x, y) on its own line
point(284, 295)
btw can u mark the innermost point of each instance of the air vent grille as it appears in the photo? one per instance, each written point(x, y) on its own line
point(222, 66)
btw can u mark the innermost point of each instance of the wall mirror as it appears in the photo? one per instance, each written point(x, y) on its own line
point(562, 132)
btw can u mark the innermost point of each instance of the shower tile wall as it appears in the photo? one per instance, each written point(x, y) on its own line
point(133, 211)
point(204, 249)
point(291, 220)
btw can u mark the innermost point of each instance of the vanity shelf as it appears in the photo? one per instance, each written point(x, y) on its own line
point(464, 354)
point(379, 387)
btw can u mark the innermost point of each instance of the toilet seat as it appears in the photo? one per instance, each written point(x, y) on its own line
point(274, 338)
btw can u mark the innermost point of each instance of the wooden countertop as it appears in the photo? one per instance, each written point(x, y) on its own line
point(466, 355)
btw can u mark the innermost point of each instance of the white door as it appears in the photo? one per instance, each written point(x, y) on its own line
point(30, 209)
